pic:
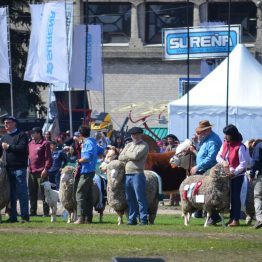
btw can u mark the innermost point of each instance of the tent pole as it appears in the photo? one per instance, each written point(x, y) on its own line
point(187, 86)
point(228, 51)
point(86, 56)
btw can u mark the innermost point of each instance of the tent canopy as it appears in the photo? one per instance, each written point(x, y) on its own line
point(207, 100)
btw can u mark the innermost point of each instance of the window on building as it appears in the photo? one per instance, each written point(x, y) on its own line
point(183, 85)
point(241, 13)
point(115, 19)
point(166, 15)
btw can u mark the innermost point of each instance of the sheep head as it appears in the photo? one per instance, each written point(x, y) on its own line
point(115, 172)
point(46, 185)
point(67, 173)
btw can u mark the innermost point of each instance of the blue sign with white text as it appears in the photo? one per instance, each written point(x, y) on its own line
point(203, 42)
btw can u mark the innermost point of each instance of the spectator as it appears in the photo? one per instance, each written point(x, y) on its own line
point(59, 160)
point(234, 156)
point(48, 136)
point(119, 144)
point(13, 150)
point(40, 160)
point(256, 167)
point(172, 141)
point(135, 154)
point(84, 186)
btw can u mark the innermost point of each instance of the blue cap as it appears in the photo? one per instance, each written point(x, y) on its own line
point(9, 118)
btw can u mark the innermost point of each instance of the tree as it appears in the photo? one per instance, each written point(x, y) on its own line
point(26, 95)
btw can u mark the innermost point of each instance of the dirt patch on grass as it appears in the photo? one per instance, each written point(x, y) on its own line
point(90, 231)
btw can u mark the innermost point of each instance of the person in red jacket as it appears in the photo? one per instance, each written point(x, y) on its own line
point(234, 156)
point(40, 160)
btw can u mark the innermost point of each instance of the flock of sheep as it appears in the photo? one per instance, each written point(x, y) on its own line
point(215, 189)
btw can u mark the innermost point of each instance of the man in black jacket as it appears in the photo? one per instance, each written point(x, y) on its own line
point(13, 149)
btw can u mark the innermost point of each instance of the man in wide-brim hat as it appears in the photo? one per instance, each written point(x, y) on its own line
point(209, 145)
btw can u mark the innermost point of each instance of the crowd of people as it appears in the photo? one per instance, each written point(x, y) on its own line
point(31, 160)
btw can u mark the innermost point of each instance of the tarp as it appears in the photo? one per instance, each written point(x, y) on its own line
point(208, 99)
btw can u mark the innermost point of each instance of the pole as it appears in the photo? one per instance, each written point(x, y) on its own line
point(188, 68)
point(67, 85)
point(228, 52)
point(10, 62)
point(103, 80)
point(86, 57)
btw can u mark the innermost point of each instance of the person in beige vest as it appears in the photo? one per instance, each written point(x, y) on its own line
point(134, 155)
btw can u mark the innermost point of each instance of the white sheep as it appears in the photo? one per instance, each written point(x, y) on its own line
point(116, 191)
point(4, 189)
point(51, 198)
point(66, 193)
point(212, 195)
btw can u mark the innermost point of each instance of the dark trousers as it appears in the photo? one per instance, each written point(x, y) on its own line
point(84, 196)
point(54, 178)
point(34, 183)
point(236, 184)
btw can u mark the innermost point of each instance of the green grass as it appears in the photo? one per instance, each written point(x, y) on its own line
point(40, 240)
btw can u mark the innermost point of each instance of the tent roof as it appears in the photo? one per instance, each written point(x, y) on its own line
point(245, 88)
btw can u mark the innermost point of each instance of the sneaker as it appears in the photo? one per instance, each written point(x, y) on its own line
point(258, 225)
point(22, 221)
point(143, 223)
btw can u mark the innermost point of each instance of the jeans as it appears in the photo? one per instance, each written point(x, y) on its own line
point(135, 186)
point(18, 190)
point(54, 178)
point(236, 184)
point(258, 198)
point(84, 196)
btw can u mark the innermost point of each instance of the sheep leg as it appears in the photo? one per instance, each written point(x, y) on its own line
point(120, 219)
point(186, 218)
point(222, 219)
point(53, 214)
point(101, 217)
point(208, 216)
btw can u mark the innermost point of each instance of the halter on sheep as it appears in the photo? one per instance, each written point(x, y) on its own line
point(183, 157)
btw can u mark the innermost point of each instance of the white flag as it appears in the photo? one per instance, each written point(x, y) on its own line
point(31, 71)
point(4, 59)
point(52, 47)
point(51, 64)
point(94, 74)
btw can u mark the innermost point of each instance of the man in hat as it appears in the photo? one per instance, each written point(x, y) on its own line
point(208, 147)
point(13, 150)
point(134, 155)
point(40, 160)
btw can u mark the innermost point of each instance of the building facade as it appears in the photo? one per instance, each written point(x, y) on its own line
point(134, 69)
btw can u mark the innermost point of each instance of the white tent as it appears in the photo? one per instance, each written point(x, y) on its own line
point(207, 100)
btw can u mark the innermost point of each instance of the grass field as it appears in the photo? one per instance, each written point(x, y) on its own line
point(41, 240)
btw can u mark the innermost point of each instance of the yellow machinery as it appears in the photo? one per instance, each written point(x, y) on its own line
point(102, 123)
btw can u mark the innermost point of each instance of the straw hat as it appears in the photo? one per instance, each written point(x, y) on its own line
point(203, 125)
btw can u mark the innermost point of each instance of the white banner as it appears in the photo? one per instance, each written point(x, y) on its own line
point(31, 71)
point(93, 67)
point(52, 48)
point(50, 42)
point(4, 59)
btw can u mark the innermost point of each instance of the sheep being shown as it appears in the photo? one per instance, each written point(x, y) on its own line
point(66, 193)
point(51, 198)
point(116, 191)
point(210, 192)
point(4, 189)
